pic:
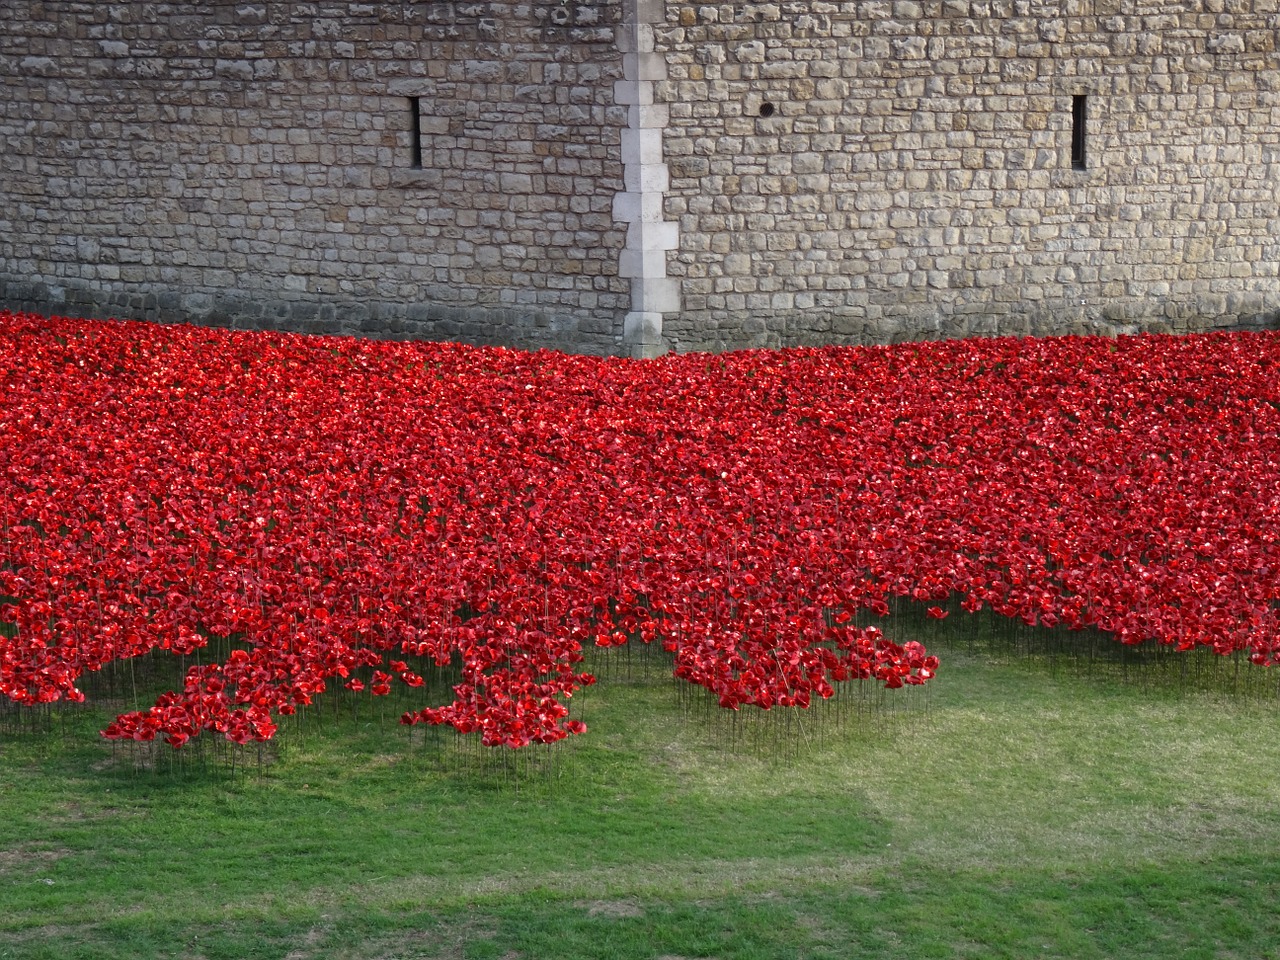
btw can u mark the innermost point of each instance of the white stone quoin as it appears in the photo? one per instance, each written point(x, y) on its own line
point(646, 181)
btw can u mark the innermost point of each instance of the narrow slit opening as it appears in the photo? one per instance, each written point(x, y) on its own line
point(415, 128)
point(1079, 120)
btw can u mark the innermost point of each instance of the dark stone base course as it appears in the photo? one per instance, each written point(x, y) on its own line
point(506, 327)
point(602, 336)
point(817, 327)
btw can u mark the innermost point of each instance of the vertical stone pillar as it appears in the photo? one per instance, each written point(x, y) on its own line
point(646, 181)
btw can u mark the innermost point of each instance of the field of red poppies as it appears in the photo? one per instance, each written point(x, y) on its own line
point(357, 513)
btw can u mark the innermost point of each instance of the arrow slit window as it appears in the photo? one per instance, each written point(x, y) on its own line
point(1079, 123)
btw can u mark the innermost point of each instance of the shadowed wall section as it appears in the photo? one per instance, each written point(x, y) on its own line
point(444, 170)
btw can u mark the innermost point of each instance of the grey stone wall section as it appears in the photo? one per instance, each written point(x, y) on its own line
point(900, 169)
point(636, 176)
point(251, 164)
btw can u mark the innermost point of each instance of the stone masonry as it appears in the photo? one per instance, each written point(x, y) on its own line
point(407, 169)
point(637, 176)
point(888, 170)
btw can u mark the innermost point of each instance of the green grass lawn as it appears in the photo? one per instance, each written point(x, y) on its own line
point(1014, 809)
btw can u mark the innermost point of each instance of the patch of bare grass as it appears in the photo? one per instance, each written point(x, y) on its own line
point(22, 859)
point(611, 909)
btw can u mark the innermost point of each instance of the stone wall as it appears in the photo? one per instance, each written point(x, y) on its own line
point(890, 169)
point(633, 176)
point(253, 164)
